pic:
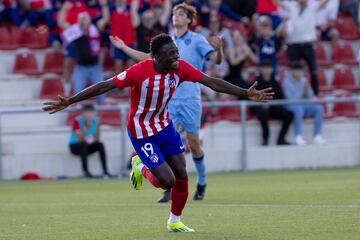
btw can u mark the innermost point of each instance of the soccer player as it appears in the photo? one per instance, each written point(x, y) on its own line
point(160, 150)
point(185, 106)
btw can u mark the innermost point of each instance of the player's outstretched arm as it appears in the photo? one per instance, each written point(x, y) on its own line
point(220, 85)
point(134, 54)
point(92, 91)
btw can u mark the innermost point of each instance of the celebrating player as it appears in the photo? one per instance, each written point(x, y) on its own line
point(185, 105)
point(160, 150)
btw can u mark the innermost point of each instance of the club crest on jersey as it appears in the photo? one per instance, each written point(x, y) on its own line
point(172, 82)
point(122, 75)
point(154, 158)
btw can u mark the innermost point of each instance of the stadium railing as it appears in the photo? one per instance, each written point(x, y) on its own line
point(123, 109)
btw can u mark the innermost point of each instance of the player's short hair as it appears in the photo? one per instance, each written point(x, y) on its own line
point(158, 41)
point(189, 10)
point(88, 107)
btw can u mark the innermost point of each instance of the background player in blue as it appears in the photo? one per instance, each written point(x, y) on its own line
point(185, 105)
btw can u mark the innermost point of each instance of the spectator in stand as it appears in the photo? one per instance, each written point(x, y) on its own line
point(297, 87)
point(237, 57)
point(10, 11)
point(325, 20)
point(148, 25)
point(351, 7)
point(87, 50)
point(269, 42)
point(242, 7)
point(218, 8)
point(301, 33)
point(85, 139)
point(267, 79)
point(269, 8)
point(215, 28)
point(68, 19)
point(121, 26)
point(37, 10)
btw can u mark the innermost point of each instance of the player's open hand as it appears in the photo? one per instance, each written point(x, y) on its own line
point(53, 107)
point(260, 95)
point(117, 42)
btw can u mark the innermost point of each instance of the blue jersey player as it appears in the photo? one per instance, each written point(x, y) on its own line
point(185, 106)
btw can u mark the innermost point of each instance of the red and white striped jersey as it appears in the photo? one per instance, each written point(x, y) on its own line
point(150, 94)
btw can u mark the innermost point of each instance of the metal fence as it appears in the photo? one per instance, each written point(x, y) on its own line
point(123, 109)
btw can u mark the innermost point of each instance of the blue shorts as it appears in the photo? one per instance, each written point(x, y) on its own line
point(153, 150)
point(186, 114)
point(118, 54)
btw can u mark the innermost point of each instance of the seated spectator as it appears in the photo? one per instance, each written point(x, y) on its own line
point(148, 25)
point(85, 139)
point(218, 8)
point(267, 79)
point(237, 57)
point(86, 44)
point(120, 16)
point(325, 19)
point(296, 87)
point(10, 11)
point(269, 41)
point(37, 10)
point(351, 7)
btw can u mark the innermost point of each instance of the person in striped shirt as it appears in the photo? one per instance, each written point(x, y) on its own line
point(160, 150)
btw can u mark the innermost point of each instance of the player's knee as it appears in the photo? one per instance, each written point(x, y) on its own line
point(168, 183)
point(195, 146)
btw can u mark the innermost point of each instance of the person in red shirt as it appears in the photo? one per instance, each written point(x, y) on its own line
point(122, 27)
point(160, 150)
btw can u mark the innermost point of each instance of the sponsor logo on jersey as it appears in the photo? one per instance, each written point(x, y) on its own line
point(154, 158)
point(122, 75)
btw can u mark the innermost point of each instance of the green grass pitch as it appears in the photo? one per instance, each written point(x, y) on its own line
point(304, 205)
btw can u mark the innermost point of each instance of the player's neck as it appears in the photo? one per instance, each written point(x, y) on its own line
point(160, 68)
point(181, 31)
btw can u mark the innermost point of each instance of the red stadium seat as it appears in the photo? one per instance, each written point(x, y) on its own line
point(108, 63)
point(343, 53)
point(25, 63)
point(54, 62)
point(31, 38)
point(320, 54)
point(51, 88)
point(323, 83)
point(347, 28)
point(344, 79)
point(282, 58)
point(251, 76)
point(348, 110)
point(231, 114)
point(111, 118)
point(6, 42)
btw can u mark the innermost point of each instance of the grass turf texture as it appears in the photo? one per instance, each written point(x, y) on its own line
point(305, 204)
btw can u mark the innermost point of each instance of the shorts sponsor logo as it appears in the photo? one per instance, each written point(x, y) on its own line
point(182, 147)
point(154, 158)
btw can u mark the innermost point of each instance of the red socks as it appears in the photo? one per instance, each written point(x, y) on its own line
point(179, 194)
point(149, 176)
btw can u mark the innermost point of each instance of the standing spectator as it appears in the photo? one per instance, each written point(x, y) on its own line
point(121, 26)
point(296, 87)
point(269, 41)
point(351, 7)
point(215, 28)
point(148, 25)
point(267, 79)
point(87, 50)
point(244, 8)
point(301, 31)
point(85, 139)
point(39, 10)
point(269, 8)
point(325, 20)
point(237, 57)
point(10, 10)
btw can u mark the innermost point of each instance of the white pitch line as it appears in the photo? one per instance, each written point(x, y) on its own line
point(70, 204)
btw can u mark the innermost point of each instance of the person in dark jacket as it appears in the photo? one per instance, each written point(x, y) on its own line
point(267, 79)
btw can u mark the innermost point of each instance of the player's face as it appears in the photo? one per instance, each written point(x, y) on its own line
point(169, 57)
point(180, 19)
